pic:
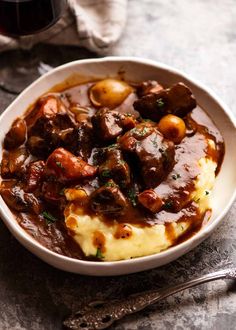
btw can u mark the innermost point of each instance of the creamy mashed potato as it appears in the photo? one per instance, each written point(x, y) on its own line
point(143, 240)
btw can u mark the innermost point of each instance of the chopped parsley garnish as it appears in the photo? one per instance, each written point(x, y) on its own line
point(176, 176)
point(106, 173)
point(160, 103)
point(99, 254)
point(144, 131)
point(140, 132)
point(110, 184)
point(154, 142)
point(168, 205)
point(121, 162)
point(49, 217)
point(207, 192)
point(197, 200)
point(132, 196)
point(111, 146)
point(59, 164)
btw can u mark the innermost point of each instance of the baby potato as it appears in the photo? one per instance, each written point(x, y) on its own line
point(173, 128)
point(109, 93)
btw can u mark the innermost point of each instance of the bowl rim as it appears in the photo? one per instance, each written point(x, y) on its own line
point(17, 230)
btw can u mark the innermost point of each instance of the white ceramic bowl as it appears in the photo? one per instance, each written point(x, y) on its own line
point(135, 70)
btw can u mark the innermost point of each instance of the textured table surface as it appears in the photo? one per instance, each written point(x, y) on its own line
point(199, 37)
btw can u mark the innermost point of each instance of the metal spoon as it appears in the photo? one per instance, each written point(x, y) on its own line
point(99, 315)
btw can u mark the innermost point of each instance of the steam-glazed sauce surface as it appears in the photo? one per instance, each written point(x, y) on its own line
point(123, 156)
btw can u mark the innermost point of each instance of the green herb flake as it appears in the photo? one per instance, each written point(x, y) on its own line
point(176, 176)
point(144, 131)
point(95, 160)
point(59, 164)
point(99, 254)
point(132, 196)
point(134, 130)
point(110, 184)
point(112, 146)
point(49, 217)
point(182, 227)
point(168, 205)
point(154, 142)
point(121, 162)
point(207, 192)
point(160, 103)
point(106, 173)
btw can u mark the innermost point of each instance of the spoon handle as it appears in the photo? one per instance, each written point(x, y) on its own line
point(101, 314)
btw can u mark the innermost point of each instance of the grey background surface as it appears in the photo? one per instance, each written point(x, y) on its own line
point(199, 37)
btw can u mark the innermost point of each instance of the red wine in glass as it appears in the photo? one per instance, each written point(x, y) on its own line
point(21, 19)
point(24, 17)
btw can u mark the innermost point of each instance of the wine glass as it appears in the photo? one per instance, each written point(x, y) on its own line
point(21, 19)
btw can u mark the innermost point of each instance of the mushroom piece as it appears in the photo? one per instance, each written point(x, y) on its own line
point(108, 200)
point(13, 162)
point(16, 135)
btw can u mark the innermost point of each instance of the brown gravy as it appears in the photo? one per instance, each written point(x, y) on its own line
point(176, 187)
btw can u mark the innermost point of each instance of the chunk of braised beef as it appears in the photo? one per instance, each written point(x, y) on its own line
point(177, 100)
point(13, 162)
point(84, 141)
point(47, 107)
point(65, 167)
point(115, 167)
point(34, 175)
point(127, 121)
point(50, 128)
point(149, 86)
point(109, 124)
point(37, 146)
point(53, 193)
point(20, 201)
point(150, 200)
point(155, 155)
point(16, 135)
point(108, 200)
point(106, 124)
point(53, 133)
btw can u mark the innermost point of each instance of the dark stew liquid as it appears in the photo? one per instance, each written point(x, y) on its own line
point(114, 154)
